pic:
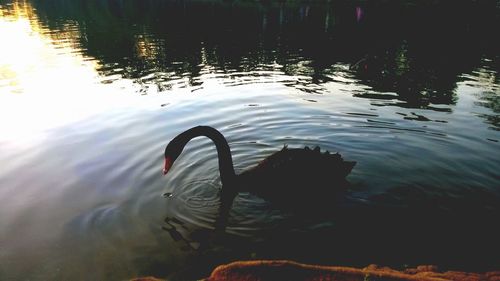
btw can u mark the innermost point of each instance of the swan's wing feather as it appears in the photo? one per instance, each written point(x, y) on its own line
point(290, 173)
point(306, 161)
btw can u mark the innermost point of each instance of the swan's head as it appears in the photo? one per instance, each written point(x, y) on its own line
point(175, 147)
point(166, 165)
point(172, 151)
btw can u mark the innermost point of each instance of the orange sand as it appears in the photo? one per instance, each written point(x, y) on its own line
point(281, 270)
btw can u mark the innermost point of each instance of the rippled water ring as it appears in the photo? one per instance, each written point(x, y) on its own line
point(197, 193)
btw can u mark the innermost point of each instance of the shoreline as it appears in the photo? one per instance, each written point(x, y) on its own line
point(260, 270)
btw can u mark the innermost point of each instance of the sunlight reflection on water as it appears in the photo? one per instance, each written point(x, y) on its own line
point(91, 92)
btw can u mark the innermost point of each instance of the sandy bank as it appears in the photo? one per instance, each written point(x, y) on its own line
point(278, 270)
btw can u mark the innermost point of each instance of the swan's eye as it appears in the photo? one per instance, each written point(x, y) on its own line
point(167, 165)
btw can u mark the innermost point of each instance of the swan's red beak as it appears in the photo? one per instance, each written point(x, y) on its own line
point(167, 165)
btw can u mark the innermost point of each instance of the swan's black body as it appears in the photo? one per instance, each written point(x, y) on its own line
point(289, 176)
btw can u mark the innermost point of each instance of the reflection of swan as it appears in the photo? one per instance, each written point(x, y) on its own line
point(289, 177)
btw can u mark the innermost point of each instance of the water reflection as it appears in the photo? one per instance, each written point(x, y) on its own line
point(488, 81)
point(491, 100)
point(164, 44)
point(415, 105)
point(431, 225)
point(38, 70)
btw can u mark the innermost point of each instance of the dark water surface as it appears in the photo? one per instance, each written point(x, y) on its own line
point(92, 91)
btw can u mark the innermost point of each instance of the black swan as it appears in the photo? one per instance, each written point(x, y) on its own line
point(287, 177)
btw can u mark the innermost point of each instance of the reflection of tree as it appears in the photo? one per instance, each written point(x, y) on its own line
point(490, 97)
point(490, 100)
point(179, 38)
point(423, 62)
point(418, 81)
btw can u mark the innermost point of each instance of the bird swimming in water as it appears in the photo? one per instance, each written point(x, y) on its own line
point(289, 177)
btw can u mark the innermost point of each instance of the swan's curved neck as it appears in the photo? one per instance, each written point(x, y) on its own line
point(226, 168)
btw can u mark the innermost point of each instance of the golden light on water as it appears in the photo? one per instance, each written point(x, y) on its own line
point(45, 80)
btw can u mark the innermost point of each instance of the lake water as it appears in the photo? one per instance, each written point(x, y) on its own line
point(92, 91)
